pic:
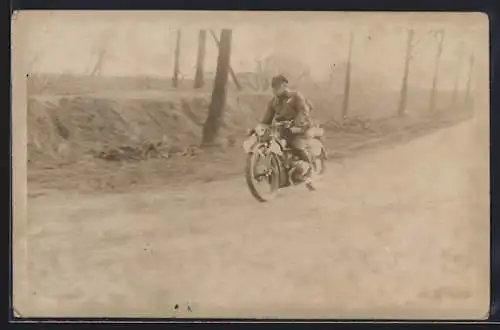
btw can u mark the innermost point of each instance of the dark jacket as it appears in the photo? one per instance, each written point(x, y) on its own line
point(290, 106)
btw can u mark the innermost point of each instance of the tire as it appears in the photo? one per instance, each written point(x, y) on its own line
point(252, 181)
point(319, 165)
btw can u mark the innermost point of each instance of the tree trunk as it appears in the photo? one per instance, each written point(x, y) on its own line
point(233, 75)
point(200, 61)
point(432, 105)
point(175, 78)
point(216, 109)
point(404, 87)
point(457, 77)
point(98, 65)
point(347, 84)
point(331, 74)
point(469, 79)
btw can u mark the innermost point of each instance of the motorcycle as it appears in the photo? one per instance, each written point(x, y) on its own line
point(272, 163)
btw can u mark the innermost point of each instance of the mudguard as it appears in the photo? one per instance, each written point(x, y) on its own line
point(315, 132)
point(316, 147)
point(282, 172)
point(249, 143)
point(276, 148)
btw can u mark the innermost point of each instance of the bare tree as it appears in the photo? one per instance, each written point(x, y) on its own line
point(271, 65)
point(404, 88)
point(254, 79)
point(264, 73)
point(331, 73)
point(175, 78)
point(258, 84)
point(98, 64)
point(347, 83)
point(216, 109)
point(200, 60)
point(457, 74)
point(231, 71)
point(469, 79)
point(441, 34)
point(101, 49)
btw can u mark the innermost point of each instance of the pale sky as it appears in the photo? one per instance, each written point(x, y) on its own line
point(138, 44)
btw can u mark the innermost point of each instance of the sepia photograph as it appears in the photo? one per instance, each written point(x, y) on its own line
point(250, 165)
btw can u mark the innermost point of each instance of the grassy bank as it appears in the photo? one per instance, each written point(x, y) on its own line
point(91, 174)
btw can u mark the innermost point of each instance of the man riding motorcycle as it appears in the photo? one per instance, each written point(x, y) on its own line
point(291, 105)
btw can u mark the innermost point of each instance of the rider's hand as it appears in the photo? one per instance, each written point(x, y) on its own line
point(260, 129)
point(296, 130)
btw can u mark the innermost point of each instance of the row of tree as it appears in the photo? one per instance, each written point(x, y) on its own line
point(410, 50)
point(215, 115)
point(199, 80)
point(268, 66)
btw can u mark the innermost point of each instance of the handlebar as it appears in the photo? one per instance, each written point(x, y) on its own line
point(277, 125)
point(284, 124)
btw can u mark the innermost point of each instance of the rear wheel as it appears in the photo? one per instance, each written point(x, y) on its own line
point(262, 175)
point(319, 165)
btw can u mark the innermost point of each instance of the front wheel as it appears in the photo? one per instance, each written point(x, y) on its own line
point(262, 175)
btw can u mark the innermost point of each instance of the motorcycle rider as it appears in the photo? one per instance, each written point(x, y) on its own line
point(291, 105)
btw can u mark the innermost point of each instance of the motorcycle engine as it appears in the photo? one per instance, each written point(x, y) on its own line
point(298, 171)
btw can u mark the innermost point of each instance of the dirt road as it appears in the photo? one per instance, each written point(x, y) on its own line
point(394, 233)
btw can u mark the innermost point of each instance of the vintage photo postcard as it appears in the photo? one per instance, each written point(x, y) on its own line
point(268, 165)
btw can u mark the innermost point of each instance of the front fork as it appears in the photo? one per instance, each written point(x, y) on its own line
point(267, 166)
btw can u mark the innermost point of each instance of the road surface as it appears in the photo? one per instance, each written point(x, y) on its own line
point(401, 232)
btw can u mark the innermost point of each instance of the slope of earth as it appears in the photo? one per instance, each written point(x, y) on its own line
point(65, 128)
point(116, 140)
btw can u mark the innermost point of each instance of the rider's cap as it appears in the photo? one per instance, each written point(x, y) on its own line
point(278, 80)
